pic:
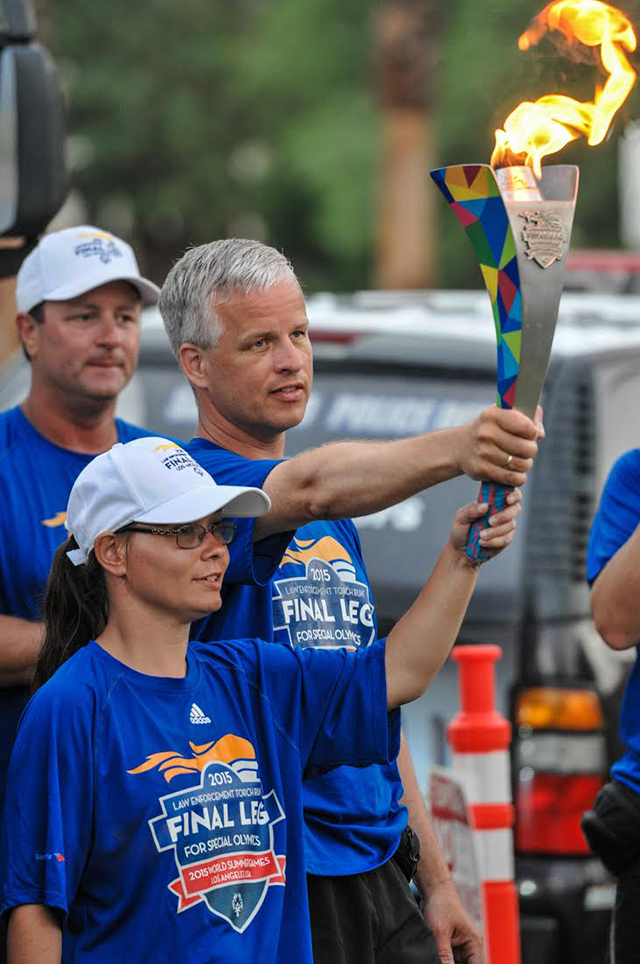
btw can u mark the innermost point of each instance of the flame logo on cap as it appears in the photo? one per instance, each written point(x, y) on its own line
point(235, 751)
point(166, 446)
point(96, 234)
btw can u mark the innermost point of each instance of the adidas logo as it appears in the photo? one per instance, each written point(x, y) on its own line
point(197, 715)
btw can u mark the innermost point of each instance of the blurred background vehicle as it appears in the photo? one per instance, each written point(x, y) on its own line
point(389, 364)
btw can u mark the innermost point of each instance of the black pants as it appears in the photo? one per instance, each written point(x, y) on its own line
point(369, 918)
point(612, 829)
point(624, 936)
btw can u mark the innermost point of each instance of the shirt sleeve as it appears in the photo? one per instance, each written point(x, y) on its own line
point(49, 801)
point(251, 563)
point(618, 514)
point(333, 704)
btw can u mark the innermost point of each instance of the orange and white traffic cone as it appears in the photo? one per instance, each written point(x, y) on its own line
point(480, 737)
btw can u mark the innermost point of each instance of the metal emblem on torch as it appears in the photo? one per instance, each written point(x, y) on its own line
point(544, 237)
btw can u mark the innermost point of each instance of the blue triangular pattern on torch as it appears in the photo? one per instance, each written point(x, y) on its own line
point(507, 364)
point(439, 177)
point(504, 385)
point(496, 224)
point(502, 312)
point(511, 324)
point(476, 207)
point(511, 271)
point(516, 311)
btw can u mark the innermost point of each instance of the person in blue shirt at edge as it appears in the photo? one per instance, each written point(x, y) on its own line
point(236, 318)
point(79, 296)
point(154, 798)
point(612, 828)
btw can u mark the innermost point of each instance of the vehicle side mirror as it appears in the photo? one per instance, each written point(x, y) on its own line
point(17, 21)
point(33, 170)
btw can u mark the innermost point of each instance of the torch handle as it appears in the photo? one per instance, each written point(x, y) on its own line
point(494, 493)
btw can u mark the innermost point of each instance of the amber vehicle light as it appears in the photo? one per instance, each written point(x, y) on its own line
point(559, 762)
point(558, 709)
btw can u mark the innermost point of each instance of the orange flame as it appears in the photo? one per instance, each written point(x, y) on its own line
point(535, 129)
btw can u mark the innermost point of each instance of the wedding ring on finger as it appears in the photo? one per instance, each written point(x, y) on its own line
point(509, 461)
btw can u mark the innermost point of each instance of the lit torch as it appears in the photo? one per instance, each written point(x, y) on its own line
point(543, 127)
point(518, 215)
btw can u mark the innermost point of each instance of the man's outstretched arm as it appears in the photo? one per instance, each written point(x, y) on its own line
point(353, 478)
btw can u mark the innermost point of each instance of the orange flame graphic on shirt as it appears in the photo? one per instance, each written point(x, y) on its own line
point(227, 749)
point(326, 548)
point(535, 129)
point(56, 520)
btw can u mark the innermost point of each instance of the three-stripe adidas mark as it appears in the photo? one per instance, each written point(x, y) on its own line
point(197, 715)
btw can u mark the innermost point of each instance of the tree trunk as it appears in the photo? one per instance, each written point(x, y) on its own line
point(8, 334)
point(407, 32)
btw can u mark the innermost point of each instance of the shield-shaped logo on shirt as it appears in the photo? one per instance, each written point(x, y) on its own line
point(322, 609)
point(221, 833)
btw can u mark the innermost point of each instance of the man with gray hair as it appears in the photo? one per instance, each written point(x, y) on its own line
point(235, 315)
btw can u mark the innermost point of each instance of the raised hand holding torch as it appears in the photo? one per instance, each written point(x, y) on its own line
point(518, 215)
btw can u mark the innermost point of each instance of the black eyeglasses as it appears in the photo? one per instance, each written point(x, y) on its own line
point(190, 536)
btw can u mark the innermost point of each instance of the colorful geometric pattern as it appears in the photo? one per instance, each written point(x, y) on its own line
point(474, 197)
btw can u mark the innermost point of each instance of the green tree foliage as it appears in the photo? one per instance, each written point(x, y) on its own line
point(207, 118)
point(217, 117)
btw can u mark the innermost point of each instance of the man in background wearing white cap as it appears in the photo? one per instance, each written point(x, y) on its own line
point(79, 296)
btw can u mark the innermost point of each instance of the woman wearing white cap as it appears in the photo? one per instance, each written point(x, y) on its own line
point(154, 801)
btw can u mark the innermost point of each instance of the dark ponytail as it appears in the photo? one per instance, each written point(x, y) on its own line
point(75, 610)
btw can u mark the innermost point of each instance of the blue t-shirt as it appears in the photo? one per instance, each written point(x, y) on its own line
point(163, 816)
point(319, 598)
point(36, 477)
point(616, 520)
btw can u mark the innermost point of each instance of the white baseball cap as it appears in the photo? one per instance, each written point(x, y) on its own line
point(65, 264)
point(149, 480)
